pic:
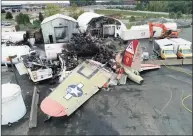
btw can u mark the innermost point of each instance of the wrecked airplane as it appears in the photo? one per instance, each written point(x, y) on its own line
point(88, 77)
point(73, 92)
point(129, 62)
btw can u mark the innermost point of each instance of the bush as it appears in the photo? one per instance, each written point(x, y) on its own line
point(17, 28)
point(75, 15)
point(3, 11)
point(172, 15)
point(8, 15)
point(179, 14)
point(132, 18)
point(26, 19)
point(36, 23)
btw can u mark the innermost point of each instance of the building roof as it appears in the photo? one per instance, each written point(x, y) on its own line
point(86, 17)
point(58, 16)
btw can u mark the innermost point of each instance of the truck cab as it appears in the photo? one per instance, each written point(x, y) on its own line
point(164, 48)
point(183, 48)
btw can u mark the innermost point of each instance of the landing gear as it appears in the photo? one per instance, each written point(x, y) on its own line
point(47, 118)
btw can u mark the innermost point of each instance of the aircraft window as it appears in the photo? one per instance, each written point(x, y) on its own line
point(169, 52)
point(187, 51)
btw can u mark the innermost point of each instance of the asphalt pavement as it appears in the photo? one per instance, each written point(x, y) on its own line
point(152, 108)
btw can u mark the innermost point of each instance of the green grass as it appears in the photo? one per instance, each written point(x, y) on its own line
point(27, 27)
point(109, 12)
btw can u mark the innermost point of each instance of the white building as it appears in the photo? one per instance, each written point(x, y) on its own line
point(10, 28)
point(100, 25)
point(58, 28)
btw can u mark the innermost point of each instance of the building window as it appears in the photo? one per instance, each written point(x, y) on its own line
point(61, 34)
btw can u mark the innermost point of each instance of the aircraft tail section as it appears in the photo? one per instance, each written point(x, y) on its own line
point(132, 55)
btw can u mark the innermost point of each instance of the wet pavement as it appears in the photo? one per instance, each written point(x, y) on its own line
point(152, 108)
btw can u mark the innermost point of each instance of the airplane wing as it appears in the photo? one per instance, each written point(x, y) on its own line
point(149, 67)
point(84, 81)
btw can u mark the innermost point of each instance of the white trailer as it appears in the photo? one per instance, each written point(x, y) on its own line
point(182, 47)
point(142, 32)
point(164, 48)
point(12, 36)
point(13, 50)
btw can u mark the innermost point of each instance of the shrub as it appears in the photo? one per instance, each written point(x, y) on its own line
point(8, 15)
point(3, 11)
point(132, 18)
point(172, 15)
point(179, 14)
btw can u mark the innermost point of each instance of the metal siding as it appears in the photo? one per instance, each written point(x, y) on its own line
point(48, 28)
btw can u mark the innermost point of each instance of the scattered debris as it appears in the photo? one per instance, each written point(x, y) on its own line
point(123, 79)
point(34, 108)
point(40, 69)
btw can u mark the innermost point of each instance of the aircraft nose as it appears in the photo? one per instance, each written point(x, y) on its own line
point(52, 108)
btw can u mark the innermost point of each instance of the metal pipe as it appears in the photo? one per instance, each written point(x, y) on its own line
point(11, 57)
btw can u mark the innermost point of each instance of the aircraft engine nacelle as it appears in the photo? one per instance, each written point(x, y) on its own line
point(134, 75)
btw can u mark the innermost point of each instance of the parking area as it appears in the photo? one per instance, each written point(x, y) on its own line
point(152, 108)
point(155, 107)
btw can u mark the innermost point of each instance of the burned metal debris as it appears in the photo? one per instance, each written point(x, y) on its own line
point(68, 60)
point(34, 62)
point(87, 47)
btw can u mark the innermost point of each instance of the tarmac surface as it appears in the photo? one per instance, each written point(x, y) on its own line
point(152, 108)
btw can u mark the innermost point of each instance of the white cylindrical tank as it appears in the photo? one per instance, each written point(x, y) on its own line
point(13, 107)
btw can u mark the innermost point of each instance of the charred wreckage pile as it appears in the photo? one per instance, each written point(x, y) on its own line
point(82, 47)
point(79, 48)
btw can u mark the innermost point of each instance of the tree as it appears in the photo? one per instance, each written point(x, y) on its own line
point(82, 2)
point(3, 11)
point(8, 15)
point(51, 9)
point(17, 28)
point(22, 19)
point(75, 12)
point(41, 17)
point(179, 14)
point(26, 19)
point(132, 18)
point(172, 15)
point(36, 23)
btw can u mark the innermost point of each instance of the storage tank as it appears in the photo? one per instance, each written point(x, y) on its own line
point(13, 107)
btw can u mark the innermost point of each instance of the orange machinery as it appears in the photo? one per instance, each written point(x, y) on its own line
point(165, 32)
